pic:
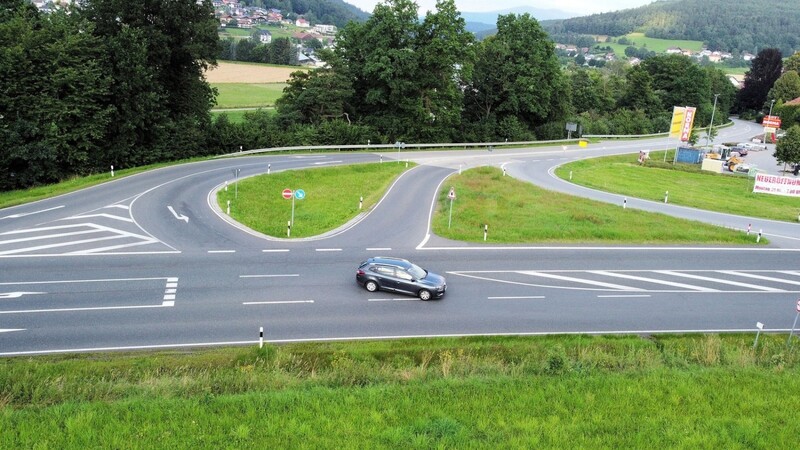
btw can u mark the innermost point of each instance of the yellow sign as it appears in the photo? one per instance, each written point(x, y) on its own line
point(677, 121)
point(583, 143)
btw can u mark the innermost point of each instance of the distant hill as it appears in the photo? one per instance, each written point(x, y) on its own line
point(485, 23)
point(725, 25)
point(331, 12)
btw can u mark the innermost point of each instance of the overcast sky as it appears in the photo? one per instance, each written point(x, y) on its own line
point(580, 7)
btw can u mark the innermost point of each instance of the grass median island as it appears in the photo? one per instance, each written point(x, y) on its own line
point(518, 212)
point(702, 391)
point(686, 184)
point(332, 197)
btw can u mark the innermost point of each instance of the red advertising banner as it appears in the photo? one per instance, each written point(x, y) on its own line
point(688, 121)
point(771, 121)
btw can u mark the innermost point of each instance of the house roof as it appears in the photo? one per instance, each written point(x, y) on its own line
point(795, 102)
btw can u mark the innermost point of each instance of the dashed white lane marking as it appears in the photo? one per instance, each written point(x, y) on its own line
point(278, 302)
point(521, 297)
point(16, 216)
point(277, 275)
point(222, 251)
point(624, 296)
point(275, 250)
point(717, 280)
point(328, 249)
point(394, 300)
point(653, 280)
point(379, 249)
point(580, 280)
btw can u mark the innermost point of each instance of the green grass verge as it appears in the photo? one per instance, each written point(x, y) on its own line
point(518, 212)
point(710, 391)
point(22, 196)
point(687, 185)
point(247, 95)
point(332, 197)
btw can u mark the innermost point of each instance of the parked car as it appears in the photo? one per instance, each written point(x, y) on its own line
point(742, 151)
point(400, 275)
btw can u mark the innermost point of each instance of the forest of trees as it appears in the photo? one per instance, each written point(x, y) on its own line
point(725, 25)
point(104, 85)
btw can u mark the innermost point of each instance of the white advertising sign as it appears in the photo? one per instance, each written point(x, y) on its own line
point(773, 184)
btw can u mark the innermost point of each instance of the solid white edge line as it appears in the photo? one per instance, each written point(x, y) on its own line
point(378, 249)
point(11, 329)
point(94, 308)
point(623, 296)
point(432, 210)
point(327, 249)
point(382, 338)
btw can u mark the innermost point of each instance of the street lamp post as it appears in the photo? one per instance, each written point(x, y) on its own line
point(708, 133)
point(772, 102)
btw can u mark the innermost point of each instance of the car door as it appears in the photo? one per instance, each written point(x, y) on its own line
point(405, 282)
point(386, 277)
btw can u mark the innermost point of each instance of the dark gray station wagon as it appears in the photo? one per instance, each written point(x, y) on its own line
point(400, 275)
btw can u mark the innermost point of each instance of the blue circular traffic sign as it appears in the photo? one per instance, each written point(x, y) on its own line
point(299, 194)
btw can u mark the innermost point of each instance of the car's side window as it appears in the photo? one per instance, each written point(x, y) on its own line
point(383, 270)
point(403, 274)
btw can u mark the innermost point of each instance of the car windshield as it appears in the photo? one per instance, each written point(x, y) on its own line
point(417, 272)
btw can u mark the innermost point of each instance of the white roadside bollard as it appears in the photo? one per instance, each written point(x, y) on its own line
point(269, 168)
point(112, 171)
point(260, 337)
point(288, 228)
point(749, 225)
point(570, 175)
point(758, 239)
point(360, 202)
point(666, 197)
point(624, 203)
point(229, 207)
point(485, 231)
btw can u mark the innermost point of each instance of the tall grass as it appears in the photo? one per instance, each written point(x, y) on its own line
point(710, 391)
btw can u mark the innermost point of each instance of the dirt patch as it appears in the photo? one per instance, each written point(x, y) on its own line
point(227, 72)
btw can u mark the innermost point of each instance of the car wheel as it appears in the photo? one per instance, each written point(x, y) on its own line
point(371, 286)
point(424, 295)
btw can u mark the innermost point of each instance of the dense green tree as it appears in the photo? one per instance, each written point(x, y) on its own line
point(677, 81)
point(54, 96)
point(517, 75)
point(792, 62)
point(406, 74)
point(787, 150)
point(639, 93)
point(786, 88)
point(766, 68)
point(314, 96)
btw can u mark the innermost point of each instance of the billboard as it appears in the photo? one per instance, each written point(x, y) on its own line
point(773, 184)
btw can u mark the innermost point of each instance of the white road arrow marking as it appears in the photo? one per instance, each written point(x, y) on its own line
point(13, 329)
point(178, 216)
point(18, 294)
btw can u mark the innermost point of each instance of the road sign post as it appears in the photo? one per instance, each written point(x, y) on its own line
point(795, 322)
point(452, 196)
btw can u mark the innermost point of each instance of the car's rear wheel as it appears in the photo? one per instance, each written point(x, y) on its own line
point(371, 286)
point(424, 295)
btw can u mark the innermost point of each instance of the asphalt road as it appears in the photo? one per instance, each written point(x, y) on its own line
point(149, 262)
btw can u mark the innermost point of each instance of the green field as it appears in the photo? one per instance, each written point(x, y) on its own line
point(237, 115)
point(639, 40)
point(686, 184)
point(247, 95)
point(713, 391)
point(277, 31)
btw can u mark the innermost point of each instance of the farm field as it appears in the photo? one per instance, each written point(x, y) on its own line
point(639, 40)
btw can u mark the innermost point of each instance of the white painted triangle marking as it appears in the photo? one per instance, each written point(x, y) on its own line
point(11, 329)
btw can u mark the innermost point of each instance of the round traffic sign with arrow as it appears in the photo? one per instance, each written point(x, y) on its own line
point(299, 194)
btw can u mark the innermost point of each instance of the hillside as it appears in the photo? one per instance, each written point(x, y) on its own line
point(725, 25)
point(332, 12)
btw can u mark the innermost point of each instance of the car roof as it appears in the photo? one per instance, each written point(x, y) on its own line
point(390, 260)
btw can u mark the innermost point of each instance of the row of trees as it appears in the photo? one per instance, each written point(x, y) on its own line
point(112, 82)
point(108, 84)
point(279, 51)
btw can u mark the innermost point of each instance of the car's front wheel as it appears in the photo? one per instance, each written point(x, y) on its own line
point(424, 295)
point(371, 286)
